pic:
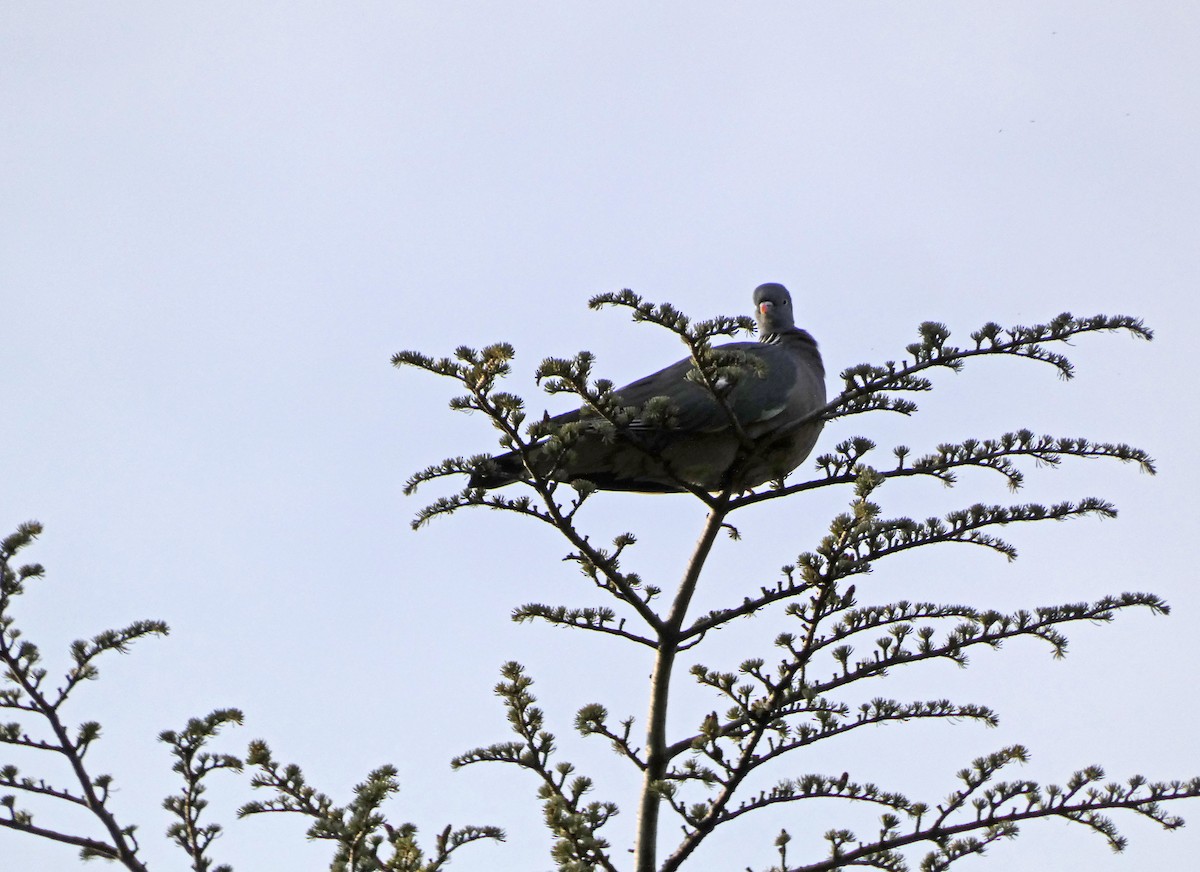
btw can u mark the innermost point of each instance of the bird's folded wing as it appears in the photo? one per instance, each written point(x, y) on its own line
point(758, 394)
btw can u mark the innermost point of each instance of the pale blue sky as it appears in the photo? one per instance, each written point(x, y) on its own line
point(218, 221)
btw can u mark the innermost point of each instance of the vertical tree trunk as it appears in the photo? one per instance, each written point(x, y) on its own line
point(645, 851)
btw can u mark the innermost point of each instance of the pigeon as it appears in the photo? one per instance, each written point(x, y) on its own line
point(696, 445)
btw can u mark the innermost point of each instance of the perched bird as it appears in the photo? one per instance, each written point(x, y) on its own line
point(783, 381)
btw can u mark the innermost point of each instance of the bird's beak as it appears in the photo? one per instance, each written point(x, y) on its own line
point(765, 307)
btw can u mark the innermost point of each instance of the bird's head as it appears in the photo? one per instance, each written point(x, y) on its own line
point(773, 309)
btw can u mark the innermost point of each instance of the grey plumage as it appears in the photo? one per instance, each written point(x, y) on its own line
point(781, 382)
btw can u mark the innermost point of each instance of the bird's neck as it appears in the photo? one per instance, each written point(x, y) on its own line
point(788, 334)
point(799, 341)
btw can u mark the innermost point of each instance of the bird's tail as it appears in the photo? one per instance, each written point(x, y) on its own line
point(498, 471)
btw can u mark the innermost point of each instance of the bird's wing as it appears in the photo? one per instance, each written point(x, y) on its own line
point(758, 394)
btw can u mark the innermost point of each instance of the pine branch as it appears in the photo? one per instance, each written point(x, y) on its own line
point(573, 824)
point(479, 372)
point(358, 830)
point(448, 505)
point(828, 720)
point(14, 734)
point(791, 694)
point(592, 720)
point(859, 538)
point(761, 725)
point(785, 588)
point(701, 819)
point(22, 821)
point(844, 464)
point(448, 467)
point(815, 786)
point(10, 776)
point(85, 653)
point(597, 619)
point(867, 386)
point(993, 811)
point(990, 629)
point(194, 764)
point(667, 316)
point(26, 693)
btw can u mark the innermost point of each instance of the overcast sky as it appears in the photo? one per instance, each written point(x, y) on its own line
point(218, 221)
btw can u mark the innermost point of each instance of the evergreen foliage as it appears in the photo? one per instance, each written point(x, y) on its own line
point(730, 764)
point(701, 777)
point(364, 840)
